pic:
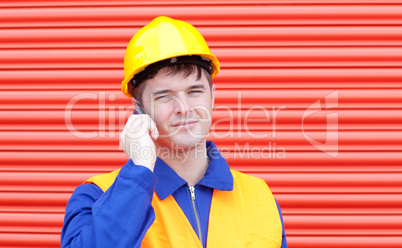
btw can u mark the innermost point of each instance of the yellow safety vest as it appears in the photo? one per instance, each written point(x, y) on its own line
point(247, 216)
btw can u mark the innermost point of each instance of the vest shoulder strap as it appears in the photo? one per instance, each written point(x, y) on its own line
point(104, 181)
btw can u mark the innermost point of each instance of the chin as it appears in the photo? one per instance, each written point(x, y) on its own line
point(187, 144)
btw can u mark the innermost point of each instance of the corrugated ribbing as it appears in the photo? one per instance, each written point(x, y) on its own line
point(309, 99)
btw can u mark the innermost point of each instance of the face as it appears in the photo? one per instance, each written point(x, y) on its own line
point(181, 108)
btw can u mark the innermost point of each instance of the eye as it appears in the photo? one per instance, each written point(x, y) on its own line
point(164, 97)
point(161, 97)
point(195, 92)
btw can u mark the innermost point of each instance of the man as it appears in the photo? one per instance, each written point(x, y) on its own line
point(176, 190)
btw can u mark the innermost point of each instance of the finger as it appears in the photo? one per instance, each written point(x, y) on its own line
point(149, 126)
point(133, 122)
point(155, 134)
point(122, 145)
point(136, 127)
point(153, 129)
point(127, 129)
point(122, 135)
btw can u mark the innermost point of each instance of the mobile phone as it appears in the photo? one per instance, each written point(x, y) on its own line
point(138, 110)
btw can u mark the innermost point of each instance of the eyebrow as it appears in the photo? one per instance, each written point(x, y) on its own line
point(196, 86)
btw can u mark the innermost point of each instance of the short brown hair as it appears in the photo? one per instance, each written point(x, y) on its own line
point(185, 69)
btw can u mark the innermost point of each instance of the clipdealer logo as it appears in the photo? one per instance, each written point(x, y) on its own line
point(331, 144)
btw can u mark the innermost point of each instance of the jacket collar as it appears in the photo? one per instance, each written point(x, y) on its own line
point(217, 176)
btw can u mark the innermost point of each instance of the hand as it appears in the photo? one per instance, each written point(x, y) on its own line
point(137, 140)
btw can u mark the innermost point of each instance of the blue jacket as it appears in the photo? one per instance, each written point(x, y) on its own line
point(94, 218)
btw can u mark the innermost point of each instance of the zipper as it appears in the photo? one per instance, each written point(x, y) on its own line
point(192, 193)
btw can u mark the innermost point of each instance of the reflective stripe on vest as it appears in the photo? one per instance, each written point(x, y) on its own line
point(247, 216)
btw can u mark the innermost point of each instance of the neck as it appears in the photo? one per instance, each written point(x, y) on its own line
point(190, 163)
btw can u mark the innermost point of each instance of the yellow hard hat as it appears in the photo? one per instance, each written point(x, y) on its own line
point(164, 38)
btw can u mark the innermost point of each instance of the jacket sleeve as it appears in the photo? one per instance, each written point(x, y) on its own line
point(120, 217)
point(284, 242)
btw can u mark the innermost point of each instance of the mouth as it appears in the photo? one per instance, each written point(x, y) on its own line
point(185, 124)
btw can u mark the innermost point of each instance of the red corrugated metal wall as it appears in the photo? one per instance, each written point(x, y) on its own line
point(310, 91)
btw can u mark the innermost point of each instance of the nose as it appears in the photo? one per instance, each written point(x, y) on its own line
point(182, 105)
